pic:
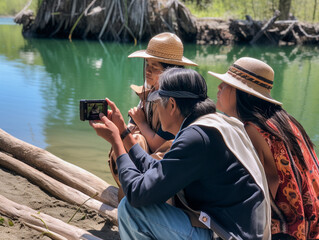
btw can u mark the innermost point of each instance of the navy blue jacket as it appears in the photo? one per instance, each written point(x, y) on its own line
point(199, 162)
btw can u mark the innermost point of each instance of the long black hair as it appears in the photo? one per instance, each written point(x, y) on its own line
point(258, 111)
point(178, 79)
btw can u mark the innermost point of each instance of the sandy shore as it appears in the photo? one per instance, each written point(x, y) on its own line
point(20, 190)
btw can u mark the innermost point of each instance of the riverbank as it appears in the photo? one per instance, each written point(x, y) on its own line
point(176, 18)
point(20, 190)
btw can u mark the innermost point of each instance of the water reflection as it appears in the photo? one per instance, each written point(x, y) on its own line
point(43, 80)
point(83, 70)
point(296, 71)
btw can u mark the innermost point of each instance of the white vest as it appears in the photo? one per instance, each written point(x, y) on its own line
point(238, 141)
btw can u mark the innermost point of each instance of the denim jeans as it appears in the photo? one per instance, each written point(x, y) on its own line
point(158, 221)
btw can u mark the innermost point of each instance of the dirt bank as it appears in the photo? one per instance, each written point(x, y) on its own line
point(20, 190)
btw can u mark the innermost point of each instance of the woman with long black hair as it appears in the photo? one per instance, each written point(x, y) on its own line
point(283, 146)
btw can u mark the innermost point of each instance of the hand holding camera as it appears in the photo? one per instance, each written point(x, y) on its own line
point(90, 109)
point(97, 112)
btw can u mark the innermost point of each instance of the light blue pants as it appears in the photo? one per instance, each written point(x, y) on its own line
point(158, 221)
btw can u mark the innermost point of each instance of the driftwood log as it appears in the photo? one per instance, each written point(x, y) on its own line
point(56, 188)
point(288, 32)
point(52, 227)
point(59, 169)
point(265, 27)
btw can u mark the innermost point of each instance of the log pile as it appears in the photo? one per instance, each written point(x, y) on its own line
point(212, 31)
point(288, 32)
point(61, 179)
point(130, 20)
point(52, 227)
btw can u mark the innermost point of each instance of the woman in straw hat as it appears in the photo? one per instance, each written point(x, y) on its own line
point(283, 146)
point(164, 51)
point(211, 169)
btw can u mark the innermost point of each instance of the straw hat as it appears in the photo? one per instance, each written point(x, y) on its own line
point(251, 76)
point(165, 47)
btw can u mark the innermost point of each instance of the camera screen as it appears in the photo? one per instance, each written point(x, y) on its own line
point(94, 109)
point(90, 109)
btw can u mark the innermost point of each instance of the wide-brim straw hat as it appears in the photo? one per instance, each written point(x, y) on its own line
point(165, 47)
point(252, 76)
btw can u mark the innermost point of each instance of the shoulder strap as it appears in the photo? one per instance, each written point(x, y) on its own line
point(202, 217)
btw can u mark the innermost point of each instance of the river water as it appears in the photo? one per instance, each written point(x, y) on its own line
point(42, 81)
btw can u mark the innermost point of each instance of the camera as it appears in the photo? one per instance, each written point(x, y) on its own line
point(90, 109)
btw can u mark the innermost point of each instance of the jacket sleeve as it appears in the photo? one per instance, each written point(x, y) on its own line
point(147, 181)
point(140, 158)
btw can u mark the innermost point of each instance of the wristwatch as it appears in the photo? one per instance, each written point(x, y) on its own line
point(126, 132)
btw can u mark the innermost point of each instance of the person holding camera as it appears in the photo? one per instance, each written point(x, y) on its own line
point(211, 168)
point(283, 146)
point(165, 50)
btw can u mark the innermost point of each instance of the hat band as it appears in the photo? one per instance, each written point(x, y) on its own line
point(164, 55)
point(243, 74)
point(175, 94)
point(178, 94)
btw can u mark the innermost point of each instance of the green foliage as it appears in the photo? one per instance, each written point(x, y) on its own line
point(303, 10)
point(78, 209)
point(4, 222)
point(10, 222)
point(1, 221)
point(12, 7)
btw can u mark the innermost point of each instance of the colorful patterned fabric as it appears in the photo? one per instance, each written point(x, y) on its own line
point(295, 210)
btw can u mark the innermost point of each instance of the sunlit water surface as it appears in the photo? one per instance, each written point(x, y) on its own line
point(42, 81)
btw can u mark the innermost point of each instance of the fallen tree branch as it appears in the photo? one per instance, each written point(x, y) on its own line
point(283, 33)
point(306, 34)
point(286, 21)
point(265, 27)
point(19, 14)
point(55, 226)
point(297, 39)
point(57, 188)
point(59, 169)
point(46, 232)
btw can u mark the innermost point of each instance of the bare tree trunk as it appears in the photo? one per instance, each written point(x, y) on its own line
point(120, 20)
point(55, 167)
point(284, 8)
point(51, 226)
point(57, 188)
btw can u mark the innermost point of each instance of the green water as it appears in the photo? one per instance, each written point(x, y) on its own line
point(42, 81)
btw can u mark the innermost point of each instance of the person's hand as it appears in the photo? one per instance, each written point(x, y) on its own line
point(138, 115)
point(115, 116)
point(106, 129)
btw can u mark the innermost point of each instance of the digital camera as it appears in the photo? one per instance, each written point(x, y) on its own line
point(90, 109)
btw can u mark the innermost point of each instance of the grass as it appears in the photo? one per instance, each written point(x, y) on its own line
point(12, 7)
point(225, 9)
point(303, 10)
point(210, 11)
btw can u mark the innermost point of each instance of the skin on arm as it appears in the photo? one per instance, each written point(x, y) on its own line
point(266, 158)
point(154, 140)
